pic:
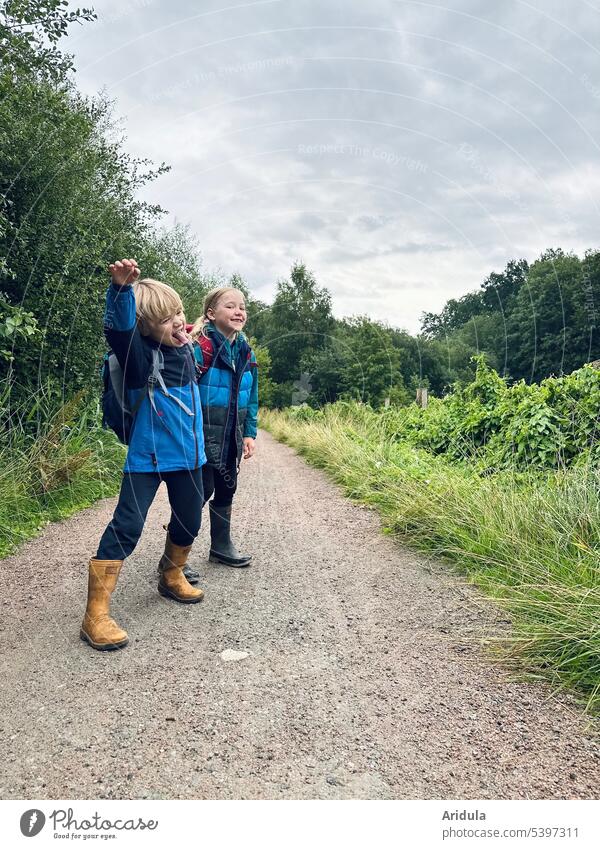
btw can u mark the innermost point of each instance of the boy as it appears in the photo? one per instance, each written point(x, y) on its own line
point(166, 444)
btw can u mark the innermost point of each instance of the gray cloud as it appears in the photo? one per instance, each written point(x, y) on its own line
point(402, 150)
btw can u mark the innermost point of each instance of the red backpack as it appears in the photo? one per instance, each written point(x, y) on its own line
point(207, 351)
point(206, 346)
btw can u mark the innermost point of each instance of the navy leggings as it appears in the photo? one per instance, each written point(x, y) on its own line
point(137, 494)
point(222, 480)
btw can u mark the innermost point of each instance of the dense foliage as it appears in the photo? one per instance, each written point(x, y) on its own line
point(548, 426)
point(68, 206)
point(531, 322)
point(493, 426)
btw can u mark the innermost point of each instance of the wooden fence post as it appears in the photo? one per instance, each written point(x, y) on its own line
point(422, 396)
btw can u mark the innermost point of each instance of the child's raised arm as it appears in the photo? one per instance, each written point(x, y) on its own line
point(120, 322)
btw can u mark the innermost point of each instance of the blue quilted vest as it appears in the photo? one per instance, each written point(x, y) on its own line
point(224, 395)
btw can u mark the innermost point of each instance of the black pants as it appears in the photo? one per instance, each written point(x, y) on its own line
point(137, 494)
point(221, 480)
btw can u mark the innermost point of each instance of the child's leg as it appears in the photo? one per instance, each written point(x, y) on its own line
point(177, 533)
point(225, 485)
point(222, 550)
point(186, 498)
point(125, 528)
point(118, 541)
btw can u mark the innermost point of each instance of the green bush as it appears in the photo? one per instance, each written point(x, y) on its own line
point(304, 413)
point(548, 426)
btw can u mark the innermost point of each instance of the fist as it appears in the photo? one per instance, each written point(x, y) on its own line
point(124, 271)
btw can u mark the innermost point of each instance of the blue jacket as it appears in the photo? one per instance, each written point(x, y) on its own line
point(229, 395)
point(168, 439)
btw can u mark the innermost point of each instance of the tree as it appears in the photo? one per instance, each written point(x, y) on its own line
point(266, 387)
point(300, 320)
point(586, 340)
point(544, 327)
point(456, 313)
point(29, 33)
point(69, 207)
point(372, 370)
point(173, 255)
point(259, 320)
point(324, 367)
point(499, 289)
point(360, 362)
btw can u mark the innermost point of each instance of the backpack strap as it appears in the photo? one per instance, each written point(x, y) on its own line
point(157, 364)
point(155, 376)
point(208, 352)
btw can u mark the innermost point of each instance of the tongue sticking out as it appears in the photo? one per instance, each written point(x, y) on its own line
point(180, 336)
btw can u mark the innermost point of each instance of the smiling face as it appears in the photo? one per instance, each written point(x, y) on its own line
point(229, 313)
point(168, 331)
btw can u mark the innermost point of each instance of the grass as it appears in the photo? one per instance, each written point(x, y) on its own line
point(68, 463)
point(529, 540)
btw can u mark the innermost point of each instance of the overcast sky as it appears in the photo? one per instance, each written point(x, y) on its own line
point(401, 149)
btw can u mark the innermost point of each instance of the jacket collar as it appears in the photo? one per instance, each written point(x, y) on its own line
point(220, 338)
point(231, 352)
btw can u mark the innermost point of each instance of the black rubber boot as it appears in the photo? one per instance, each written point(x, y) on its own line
point(192, 576)
point(222, 550)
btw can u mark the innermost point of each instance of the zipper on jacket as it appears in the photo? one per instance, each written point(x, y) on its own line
point(194, 425)
point(231, 364)
point(237, 401)
point(235, 427)
point(225, 426)
point(194, 382)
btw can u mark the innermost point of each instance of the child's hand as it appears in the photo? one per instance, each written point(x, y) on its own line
point(124, 272)
point(248, 447)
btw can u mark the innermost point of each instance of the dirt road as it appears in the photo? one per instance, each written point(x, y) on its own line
point(354, 673)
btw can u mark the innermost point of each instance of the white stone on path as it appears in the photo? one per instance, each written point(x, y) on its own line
point(231, 654)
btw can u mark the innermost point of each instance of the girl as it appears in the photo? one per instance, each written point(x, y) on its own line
point(229, 399)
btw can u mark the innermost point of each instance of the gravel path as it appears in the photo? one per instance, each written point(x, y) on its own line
point(360, 678)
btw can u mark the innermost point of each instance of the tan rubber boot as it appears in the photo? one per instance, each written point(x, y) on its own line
point(97, 628)
point(172, 582)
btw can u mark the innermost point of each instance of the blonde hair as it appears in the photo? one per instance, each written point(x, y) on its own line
point(210, 302)
point(154, 300)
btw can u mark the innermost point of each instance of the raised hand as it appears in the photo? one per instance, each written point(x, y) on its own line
point(124, 271)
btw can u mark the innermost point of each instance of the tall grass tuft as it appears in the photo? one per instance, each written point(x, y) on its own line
point(54, 460)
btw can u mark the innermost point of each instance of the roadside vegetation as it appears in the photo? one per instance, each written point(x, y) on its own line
point(503, 483)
